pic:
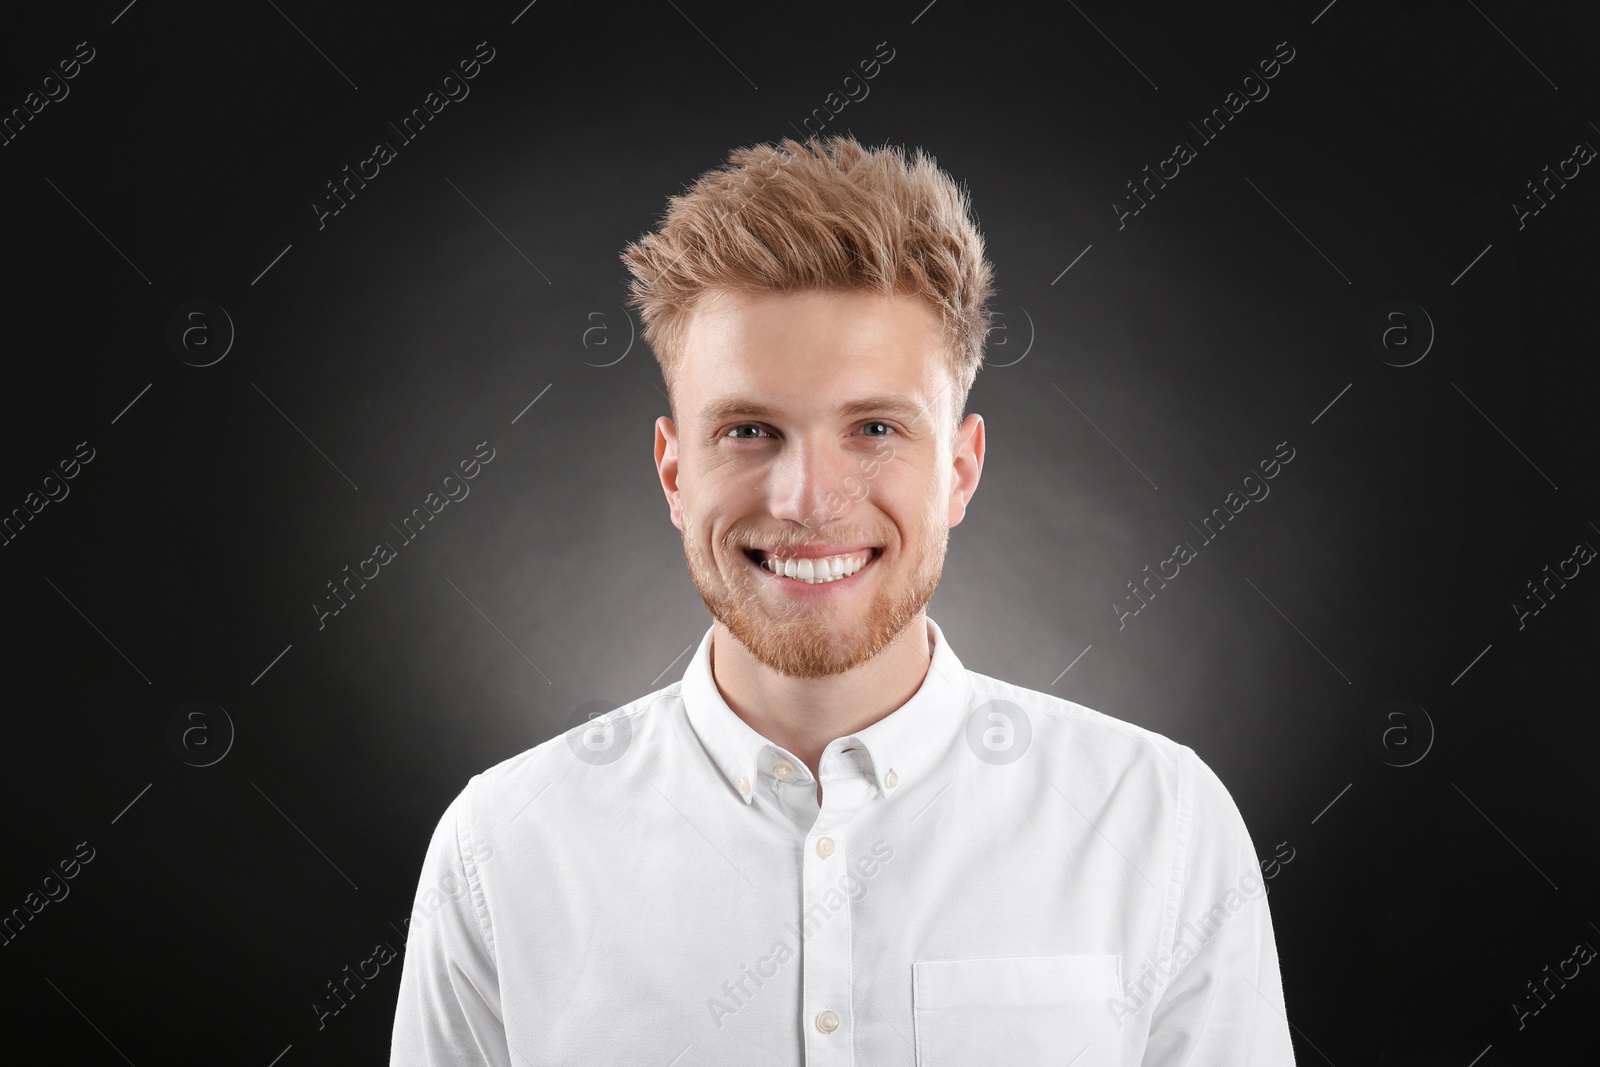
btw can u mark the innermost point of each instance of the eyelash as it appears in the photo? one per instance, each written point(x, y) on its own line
point(870, 422)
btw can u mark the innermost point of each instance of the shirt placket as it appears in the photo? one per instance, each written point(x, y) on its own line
point(825, 914)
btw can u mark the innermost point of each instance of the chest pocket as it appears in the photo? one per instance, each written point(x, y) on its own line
point(1022, 1011)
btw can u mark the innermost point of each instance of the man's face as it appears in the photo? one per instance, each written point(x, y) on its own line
point(816, 426)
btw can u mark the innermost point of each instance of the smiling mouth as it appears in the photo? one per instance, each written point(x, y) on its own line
point(814, 570)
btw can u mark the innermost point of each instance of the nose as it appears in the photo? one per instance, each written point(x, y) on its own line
point(814, 482)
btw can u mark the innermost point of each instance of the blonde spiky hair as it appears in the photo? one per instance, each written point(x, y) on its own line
point(818, 215)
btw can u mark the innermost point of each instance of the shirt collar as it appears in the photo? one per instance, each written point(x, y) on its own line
point(896, 745)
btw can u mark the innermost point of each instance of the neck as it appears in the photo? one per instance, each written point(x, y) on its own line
point(804, 715)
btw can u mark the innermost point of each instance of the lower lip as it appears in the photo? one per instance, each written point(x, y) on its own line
point(817, 589)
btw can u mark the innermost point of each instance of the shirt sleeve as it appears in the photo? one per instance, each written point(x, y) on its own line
point(1222, 1005)
point(449, 1011)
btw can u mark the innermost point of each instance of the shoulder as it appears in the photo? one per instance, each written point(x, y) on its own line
point(1107, 754)
point(576, 765)
point(1078, 735)
point(1138, 784)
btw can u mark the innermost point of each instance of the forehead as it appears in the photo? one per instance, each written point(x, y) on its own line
point(817, 348)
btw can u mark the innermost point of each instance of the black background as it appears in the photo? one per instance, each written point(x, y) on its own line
point(1124, 399)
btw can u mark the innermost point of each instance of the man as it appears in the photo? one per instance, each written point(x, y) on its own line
point(830, 842)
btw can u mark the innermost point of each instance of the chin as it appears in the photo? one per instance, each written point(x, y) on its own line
point(817, 631)
point(823, 643)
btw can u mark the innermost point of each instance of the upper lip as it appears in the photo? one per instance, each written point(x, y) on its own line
point(817, 551)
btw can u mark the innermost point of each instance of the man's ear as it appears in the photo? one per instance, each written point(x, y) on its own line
point(967, 466)
point(667, 466)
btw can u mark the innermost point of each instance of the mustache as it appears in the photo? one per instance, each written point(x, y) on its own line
point(781, 542)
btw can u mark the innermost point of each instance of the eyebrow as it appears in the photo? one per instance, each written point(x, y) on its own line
point(728, 407)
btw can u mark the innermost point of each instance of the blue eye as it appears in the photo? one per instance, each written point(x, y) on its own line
point(733, 432)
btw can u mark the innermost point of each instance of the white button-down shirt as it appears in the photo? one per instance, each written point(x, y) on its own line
point(994, 876)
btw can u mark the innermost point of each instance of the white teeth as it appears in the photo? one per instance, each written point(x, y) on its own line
point(819, 571)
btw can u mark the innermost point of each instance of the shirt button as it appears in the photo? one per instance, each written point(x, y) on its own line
point(744, 784)
point(783, 770)
point(827, 1022)
point(891, 779)
point(824, 847)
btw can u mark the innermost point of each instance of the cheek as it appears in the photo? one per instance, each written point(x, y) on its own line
point(706, 490)
point(905, 498)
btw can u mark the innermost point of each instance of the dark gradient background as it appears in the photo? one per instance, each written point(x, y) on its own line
point(1124, 398)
